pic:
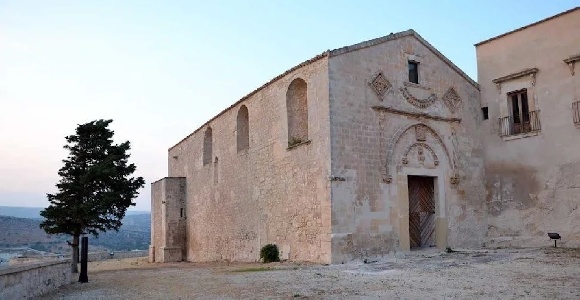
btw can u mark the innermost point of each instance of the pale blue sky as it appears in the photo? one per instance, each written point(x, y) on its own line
point(161, 69)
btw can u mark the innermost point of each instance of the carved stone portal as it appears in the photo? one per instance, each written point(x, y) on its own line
point(421, 147)
point(418, 136)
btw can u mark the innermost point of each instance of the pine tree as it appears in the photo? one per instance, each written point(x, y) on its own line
point(96, 186)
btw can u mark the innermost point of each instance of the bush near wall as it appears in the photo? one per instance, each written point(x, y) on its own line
point(270, 253)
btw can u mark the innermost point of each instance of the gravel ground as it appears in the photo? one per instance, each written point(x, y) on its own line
point(547, 273)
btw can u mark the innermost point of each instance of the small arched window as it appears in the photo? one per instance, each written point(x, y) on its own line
point(207, 146)
point(297, 112)
point(216, 170)
point(243, 129)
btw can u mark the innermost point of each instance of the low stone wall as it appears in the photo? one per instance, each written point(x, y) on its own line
point(33, 280)
point(28, 280)
point(102, 255)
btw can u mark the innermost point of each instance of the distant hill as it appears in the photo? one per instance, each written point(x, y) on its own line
point(21, 212)
point(34, 212)
point(25, 232)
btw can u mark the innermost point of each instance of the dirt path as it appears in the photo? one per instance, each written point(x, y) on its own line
point(483, 274)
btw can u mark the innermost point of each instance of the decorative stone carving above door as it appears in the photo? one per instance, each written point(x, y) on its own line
point(420, 133)
point(428, 159)
point(417, 144)
point(419, 98)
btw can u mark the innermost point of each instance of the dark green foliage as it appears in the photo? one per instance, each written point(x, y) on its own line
point(270, 253)
point(294, 141)
point(96, 186)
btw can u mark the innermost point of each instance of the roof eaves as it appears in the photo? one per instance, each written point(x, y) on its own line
point(305, 63)
point(446, 60)
point(370, 43)
point(398, 35)
point(335, 52)
point(527, 26)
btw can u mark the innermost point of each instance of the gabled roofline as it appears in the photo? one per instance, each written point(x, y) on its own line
point(336, 52)
point(398, 35)
point(305, 63)
point(527, 26)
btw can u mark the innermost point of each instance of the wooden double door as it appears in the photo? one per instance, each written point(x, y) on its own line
point(421, 211)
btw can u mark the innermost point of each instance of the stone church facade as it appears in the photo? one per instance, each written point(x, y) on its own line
point(358, 152)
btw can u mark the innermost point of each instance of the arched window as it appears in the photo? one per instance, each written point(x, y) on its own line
point(243, 129)
point(297, 112)
point(207, 146)
point(216, 171)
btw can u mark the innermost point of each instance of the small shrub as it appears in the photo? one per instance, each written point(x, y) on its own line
point(270, 253)
point(294, 141)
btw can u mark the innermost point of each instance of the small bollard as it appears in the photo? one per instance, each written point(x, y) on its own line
point(83, 277)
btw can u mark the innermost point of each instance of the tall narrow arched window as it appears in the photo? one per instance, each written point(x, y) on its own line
point(207, 146)
point(216, 171)
point(243, 129)
point(297, 112)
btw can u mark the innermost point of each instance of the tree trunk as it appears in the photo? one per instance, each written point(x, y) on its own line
point(75, 254)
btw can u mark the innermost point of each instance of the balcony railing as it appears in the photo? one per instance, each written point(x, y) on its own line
point(576, 112)
point(524, 124)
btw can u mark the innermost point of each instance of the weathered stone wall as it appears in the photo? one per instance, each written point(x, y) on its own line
point(372, 130)
point(30, 281)
point(156, 221)
point(533, 179)
point(268, 193)
point(174, 221)
point(168, 216)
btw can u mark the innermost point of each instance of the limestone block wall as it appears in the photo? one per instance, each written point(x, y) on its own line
point(375, 115)
point(31, 281)
point(533, 179)
point(156, 221)
point(269, 192)
point(168, 216)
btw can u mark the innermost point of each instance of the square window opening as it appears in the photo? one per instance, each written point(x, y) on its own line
point(414, 72)
point(485, 112)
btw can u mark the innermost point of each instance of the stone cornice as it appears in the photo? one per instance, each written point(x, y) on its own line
point(572, 58)
point(415, 115)
point(528, 26)
point(519, 74)
point(571, 61)
point(527, 72)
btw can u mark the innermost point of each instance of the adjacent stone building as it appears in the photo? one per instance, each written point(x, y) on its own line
point(378, 147)
point(530, 87)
